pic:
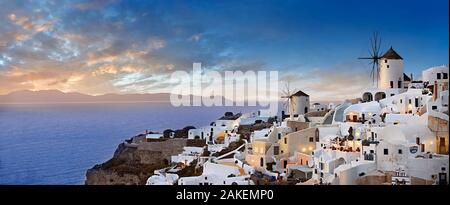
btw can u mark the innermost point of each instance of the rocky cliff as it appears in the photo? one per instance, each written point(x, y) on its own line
point(134, 161)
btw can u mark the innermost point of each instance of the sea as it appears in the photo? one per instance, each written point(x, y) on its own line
point(54, 144)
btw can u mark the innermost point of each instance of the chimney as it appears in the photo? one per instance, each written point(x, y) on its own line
point(411, 77)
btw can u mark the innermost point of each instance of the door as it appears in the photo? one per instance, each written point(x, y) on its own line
point(442, 179)
point(261, 162)
point(416, 102)
point(276, 150)
point(442, 145)
point(392, 84)
point(355, 118)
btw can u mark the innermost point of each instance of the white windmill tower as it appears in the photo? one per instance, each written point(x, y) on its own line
point(391, 70)
point(297, 102)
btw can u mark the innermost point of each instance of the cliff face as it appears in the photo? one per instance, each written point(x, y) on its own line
point(134, 162)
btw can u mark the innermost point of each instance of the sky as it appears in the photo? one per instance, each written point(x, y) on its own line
point(113, 46)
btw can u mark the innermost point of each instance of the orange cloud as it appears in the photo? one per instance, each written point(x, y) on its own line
point(16, 78)
point(131, 69)
point(95, 59)
point(22, 37)
point(106, 69)
point(31, 27)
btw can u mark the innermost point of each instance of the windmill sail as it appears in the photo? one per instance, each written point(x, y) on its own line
point(374, 58)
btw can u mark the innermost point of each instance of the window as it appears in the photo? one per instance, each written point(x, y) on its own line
point(386, 151)
point(392, 84)
point(400, 151)
point(434, 107)
point(445, 75)
point(285, 140)
point(401, 101)
point(311, 139)
point(399, 84)
point(387, 66)
point(279, 135)
point(385, 61)
point(409, 101)
point(439, 76)
point(317, 135)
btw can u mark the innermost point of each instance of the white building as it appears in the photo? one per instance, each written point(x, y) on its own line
point(316, 107)
point(218, 174)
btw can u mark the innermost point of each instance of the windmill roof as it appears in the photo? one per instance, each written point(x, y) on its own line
point(300, 93)
point(406, 77)
point(391, 54)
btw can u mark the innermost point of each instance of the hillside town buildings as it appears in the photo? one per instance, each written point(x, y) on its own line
point(395, 133)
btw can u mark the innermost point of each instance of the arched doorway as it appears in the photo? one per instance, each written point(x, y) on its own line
point(380, 96)
point(367, 97)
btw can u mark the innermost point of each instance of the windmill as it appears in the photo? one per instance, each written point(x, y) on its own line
point(289, 104)
point(375, 55)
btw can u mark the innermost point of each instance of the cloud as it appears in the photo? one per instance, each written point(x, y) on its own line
point(104, 46)
point(93, 4)
point(195, 37)
point(129, 68)
point(36, 25)
point(106, 69)
point(340, 82)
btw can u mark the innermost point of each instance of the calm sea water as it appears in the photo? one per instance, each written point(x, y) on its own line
point(57, 143)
